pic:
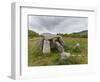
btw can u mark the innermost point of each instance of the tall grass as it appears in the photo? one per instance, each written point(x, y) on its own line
point(37, 58)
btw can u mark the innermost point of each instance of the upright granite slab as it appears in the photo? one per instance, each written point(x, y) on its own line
point(46, 47)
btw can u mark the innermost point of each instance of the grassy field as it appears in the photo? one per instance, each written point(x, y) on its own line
point(37, 58)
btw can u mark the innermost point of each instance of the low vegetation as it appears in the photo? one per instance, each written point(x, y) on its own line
point(78, 56)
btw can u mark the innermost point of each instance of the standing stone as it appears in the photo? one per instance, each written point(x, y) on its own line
point(46, 47)
point(41, 43)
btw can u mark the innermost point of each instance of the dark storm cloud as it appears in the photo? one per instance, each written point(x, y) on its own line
point(54, 24)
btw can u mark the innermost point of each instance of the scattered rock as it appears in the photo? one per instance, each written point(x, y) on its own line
point(77, 48)
point(64, 55)
point(77, 45)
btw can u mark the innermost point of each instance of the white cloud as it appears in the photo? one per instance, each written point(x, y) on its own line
point(55, 24)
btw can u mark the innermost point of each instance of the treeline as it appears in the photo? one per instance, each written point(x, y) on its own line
point(82, 34)
point(32, 34)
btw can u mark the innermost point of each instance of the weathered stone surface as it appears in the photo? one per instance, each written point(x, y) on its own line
point(59, 47)
point(49, 36)
point(52, 44)
point(64, 55)
point(61, 41)
point(46, 47)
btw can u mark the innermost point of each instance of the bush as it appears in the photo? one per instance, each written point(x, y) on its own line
point(32, 34)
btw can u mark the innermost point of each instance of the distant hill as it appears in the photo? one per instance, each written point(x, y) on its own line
point(32, 34)
point(81, 34)
point(85, 32)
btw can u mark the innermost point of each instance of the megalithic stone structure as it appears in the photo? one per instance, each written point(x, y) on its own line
point(49, 41)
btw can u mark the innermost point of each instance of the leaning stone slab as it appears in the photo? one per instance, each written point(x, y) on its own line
point(61, 41)
point(59, 47)
point(46, 47)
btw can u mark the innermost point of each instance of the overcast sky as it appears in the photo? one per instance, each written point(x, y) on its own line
point(57, 24)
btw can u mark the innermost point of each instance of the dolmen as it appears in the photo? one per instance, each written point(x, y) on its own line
point(50, 41)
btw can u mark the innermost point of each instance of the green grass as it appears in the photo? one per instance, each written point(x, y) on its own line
point(37, 58)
